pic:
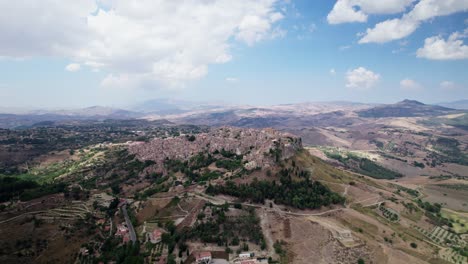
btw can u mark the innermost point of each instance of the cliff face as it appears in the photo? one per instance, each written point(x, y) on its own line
point(260, 148)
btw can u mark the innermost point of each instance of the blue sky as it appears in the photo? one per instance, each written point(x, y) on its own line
point(253, 52)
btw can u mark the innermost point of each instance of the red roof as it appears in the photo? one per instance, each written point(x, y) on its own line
point(202, 254)
point(157, 233)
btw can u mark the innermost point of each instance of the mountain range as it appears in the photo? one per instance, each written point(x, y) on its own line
point(285, 115)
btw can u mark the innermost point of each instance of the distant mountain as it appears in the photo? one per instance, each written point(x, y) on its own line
point(157, 106)
point(405, 108)
point(39, 117)
point(163, 106)
point(93, 112)
point(460, 104)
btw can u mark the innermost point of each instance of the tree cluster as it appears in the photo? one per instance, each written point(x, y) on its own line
point(299, 194)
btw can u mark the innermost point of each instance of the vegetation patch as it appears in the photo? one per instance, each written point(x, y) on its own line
point(363, 165)
point(223, 230)
point(459, 224)
point(299, 194)
point(25, 190)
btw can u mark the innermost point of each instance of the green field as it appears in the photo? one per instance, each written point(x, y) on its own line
point(459, 222)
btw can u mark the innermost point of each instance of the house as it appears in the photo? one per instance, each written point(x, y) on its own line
point(84, 251)
point(161, 260)
point(203, 257)
point(246, 255)
point(123, 232)
point(155, 236)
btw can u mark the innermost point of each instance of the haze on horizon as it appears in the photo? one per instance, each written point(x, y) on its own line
point(62, 54)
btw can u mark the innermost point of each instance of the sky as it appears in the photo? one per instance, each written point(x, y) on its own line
point(68, 53)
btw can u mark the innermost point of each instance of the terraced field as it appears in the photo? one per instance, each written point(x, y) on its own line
point(389, 213)
point(65, 213)
point(441, 236)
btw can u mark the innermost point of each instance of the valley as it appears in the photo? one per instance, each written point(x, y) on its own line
point(372, 190)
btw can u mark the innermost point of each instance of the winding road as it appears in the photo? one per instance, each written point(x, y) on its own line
point(129, 223)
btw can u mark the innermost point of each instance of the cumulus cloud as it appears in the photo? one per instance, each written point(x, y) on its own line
point(399, 28)
point(346, 11)
point(390, 30)
point(410, 85)
point(150, 43)
point(361, 79)
point(437, 48)
point(73, 67)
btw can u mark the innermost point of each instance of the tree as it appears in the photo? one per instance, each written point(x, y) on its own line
point(115, 189)
point(263, 245)
point(171, 259)
point(245, 247)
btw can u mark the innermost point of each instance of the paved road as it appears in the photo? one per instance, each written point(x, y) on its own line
point(129, 224)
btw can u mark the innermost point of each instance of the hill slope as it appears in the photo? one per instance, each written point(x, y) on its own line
point(405, 108)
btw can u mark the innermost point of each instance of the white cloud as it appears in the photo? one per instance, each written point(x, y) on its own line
point(73, 67)
point(150, 43)
point(410, 85)
point(341, 48)
point(399, 28)
point(437, 48)
point(427, 9)
point(231, 79)
point(361, 79)
point(332, 72)
point(44, 28)
point(389, 30)
point(304, 31)
point(346, 11)
point(448, 85)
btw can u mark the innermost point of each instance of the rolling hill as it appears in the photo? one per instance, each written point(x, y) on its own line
point(405, 108)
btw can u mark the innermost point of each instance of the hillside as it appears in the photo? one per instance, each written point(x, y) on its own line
point(405, 108)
